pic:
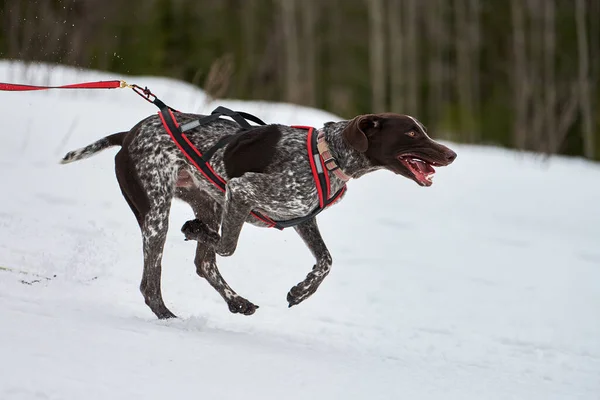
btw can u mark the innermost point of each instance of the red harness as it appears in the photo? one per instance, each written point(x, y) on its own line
point(201, 162)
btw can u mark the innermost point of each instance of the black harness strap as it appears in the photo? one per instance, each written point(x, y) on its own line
point(221, 143)
point(240, 117)
point(201, 162)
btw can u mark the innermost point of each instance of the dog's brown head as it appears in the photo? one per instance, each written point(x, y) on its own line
point(398, 143)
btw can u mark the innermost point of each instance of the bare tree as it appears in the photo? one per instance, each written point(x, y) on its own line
point(377, 55)
point(463, 67)
point(567, 113)
point(474, 15)
point(549, 74)
point(291, 48)
point(520, 78)
point(396, 59)
point(248, 24)
point(535, 135)
point(219, 78)
point(594, 14)
point(412, 64)
point(589, 145)
point(339, 96)
point(436, 34)
point(309, 10)
point(594, 20)
point(13, 15)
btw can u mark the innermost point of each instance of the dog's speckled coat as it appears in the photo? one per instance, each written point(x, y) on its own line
point(151, 171)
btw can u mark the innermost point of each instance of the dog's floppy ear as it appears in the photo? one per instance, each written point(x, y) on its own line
point(356, 131)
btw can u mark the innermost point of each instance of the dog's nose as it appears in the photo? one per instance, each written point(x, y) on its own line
point(450, 156)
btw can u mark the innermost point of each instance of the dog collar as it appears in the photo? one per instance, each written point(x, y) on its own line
point(330, 161)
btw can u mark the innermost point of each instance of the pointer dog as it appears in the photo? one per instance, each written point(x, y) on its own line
point(267, 170)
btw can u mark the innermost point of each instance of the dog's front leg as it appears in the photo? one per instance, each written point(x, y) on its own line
point(204, 230)
point(236, 209)
point(309, 232)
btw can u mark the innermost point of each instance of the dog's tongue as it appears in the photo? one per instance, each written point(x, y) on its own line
point(424, 168)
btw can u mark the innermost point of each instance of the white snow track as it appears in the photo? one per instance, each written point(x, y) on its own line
point(484, 286)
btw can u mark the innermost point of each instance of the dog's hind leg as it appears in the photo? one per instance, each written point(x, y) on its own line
point(152, 214)
point(208, 213)
point(309, 232)
point(154, 234)
point(158, 182)
point(130, 186)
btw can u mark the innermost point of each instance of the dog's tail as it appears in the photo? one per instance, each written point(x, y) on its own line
point(115, 139)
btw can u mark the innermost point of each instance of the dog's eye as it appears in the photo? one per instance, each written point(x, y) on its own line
point(411, 133)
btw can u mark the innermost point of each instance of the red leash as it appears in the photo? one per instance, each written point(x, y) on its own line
point(144, 93)
point(87, 85)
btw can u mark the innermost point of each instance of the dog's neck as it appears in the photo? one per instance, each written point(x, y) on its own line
point(352, 162)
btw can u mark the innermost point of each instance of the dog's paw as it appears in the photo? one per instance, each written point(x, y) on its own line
point(165, 313)
point(299, 293)
point(200, 232)
point(306, 288)
point(239, 305)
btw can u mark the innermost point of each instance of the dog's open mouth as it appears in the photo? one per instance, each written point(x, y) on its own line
point(421, 170)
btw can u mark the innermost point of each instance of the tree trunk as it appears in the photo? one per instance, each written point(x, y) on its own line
point(537, 141)
point(594, 13)
point(12, 19)
point(549, 75)
point(463, 68)
point(520, 81)
point(475, 46)
point(594, 20)
point(412, 63)
point(396, 39)
point(377, 55)
point(311, 45)
point(567, 114)
point(249, 50)
point(292, 67)
point(436, 79)
point(589, 145)
point(338, 95)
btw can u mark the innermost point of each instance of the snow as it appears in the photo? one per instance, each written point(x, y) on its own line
point(483, 286)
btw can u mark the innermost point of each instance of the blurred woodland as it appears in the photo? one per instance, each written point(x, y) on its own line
point(517, 73)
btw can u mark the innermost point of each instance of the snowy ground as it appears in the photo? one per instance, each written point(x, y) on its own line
point(484, 286)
